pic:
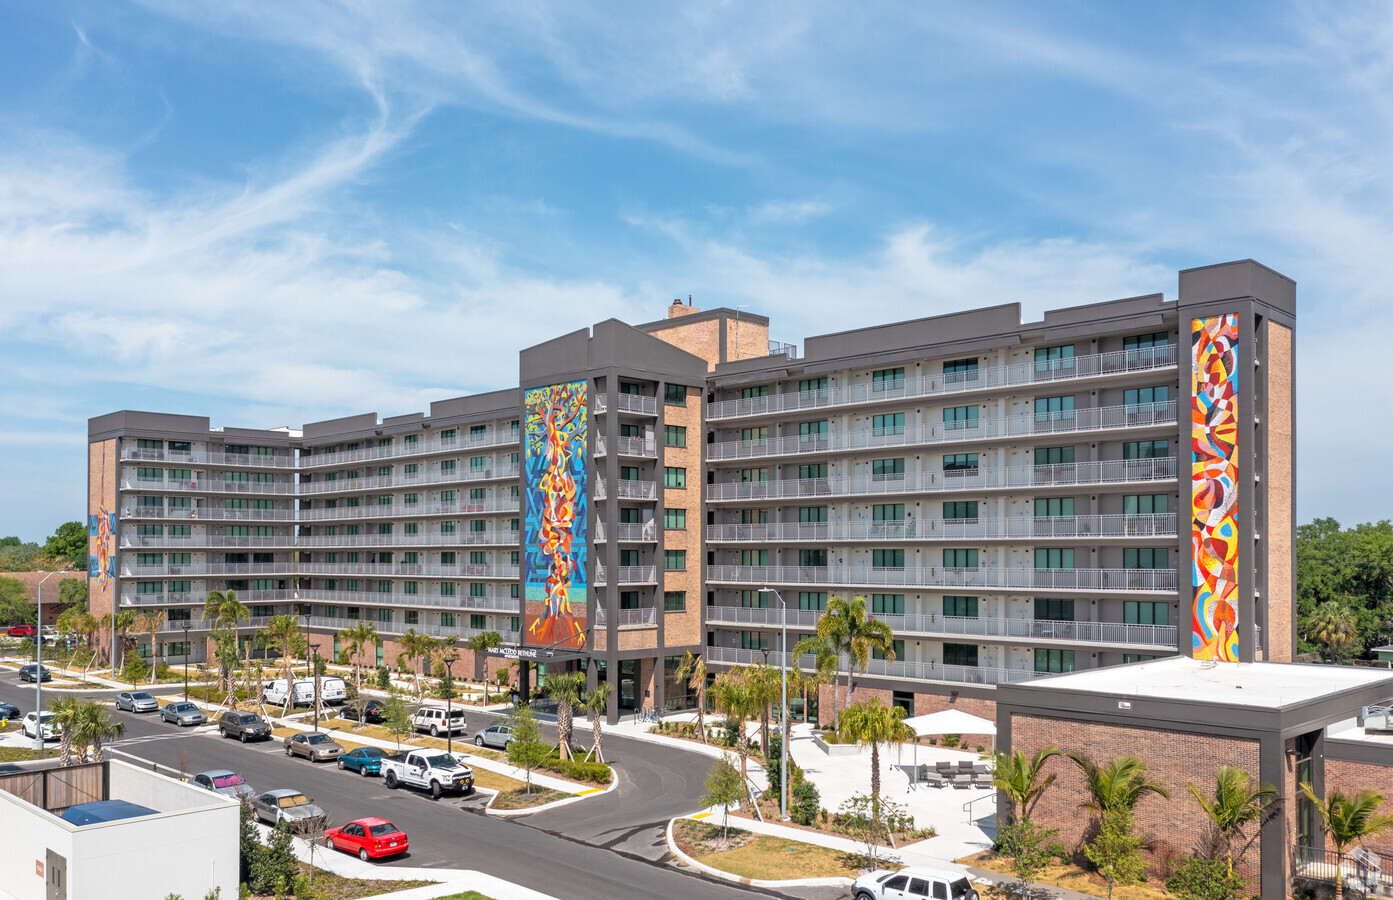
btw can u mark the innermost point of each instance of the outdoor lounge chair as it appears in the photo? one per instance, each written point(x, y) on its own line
point(931, 776)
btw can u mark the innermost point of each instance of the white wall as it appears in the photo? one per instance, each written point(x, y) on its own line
point(28, 835)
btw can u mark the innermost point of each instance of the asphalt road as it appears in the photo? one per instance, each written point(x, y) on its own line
point(604, 847)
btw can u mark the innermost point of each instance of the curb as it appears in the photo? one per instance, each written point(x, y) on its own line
point(740, 879)
point(583, 795)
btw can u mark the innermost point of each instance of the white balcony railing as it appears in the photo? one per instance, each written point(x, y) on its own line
point(628, 490)
point(400, 510)
point(209, 513)
point(1004, 578)
point(924, 671)
point(208, 486)
point(634, 403)
point(1112, 471)
point(398, 626)
point(459, 539)
point(462, 444)
point(628, 618)
point(1027, 373)
point(629, 531)
point(628, 575)
point(183, 459)
point(406, 482)
point(995, 527)
point(1025, 424)
point(219, 541)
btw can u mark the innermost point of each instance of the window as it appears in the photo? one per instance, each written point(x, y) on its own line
point(749, 475)
point(237, 449)
point(412, 527)
point(1054, 409)
point(955, 417)
point(628, 599)
point(674, 477)
point(478, 589)
point(1054, 610)
point(674, 518)
point(149, 530)
point(1145, 612)
point(816, 559)
point(478, 621)
point(152, 501)
point(755, 434)
point(410, 439)
point(449, 589)
point(896, 648)
point(412, 499)
point(447, 558)
point(960, 509)
point(411, 557)
point(751, 393)
point(411, 587)
point(1146, 341)
point(258, 611)
point(352, 612)
point(812, 431)
point(960, 463)
point(887, 604)
point(263, 477)
point(1049, 507)
point(675, 560)
point(814, 600)
point(628, 473)
point(1132, 558)
point(813, 385)
point(754, 599)
point(237, 477)
point(147, 444)
point(149, 587)
point(884, 468)
point(411, 617)
point(888, 423)
point(754, 516)
point(476, 526)
point(384, 587)
point(630, 515)
point(449, 436)
point(675, 394)
point(1054, 359)
point(674, 601)
point(1054, 558)
point(1054, 660)
point(236, 530)
point(960, 370)
point(960, 654)
point(887, 379)
point(962, 607)
point(447, 619)
point(145, 474)
point(754, 557)
point(754, 640)
point(263, 584)
point(674, 436)
point(1128, 658)
point(183, 503)
point(960, 558)
point(477, 557)
point(1146, 449)
point(887, 512)
point(807, 514)
point(1145, 504)
point(180, 615)
point(1146, 395)
point(149, 559)
point(887, 559)
point(384, 500)
point(178, 531)
point(478, 432)
point(814, 470)
point(1053, 456)
point(179, 474)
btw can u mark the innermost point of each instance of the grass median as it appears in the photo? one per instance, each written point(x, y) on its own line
point(762, 857)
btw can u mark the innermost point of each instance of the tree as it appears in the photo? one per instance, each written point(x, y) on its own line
point(724, 787)
point(766, 687)
point(15, 607)
point(65, 717)
point(1348, 820)
point(225, 653)
point(150, 621)
point(1116, 850)
point(526, 750)
point(1019, 778)
point(693, 670)
point(870, 723)
point(860, 818)
point(1118, 785)
point(72, 592)
point(826, 662)
point(274, 867)
point(1332, 625)
point(1027, 844)
point(481, 644)
point(1197, 878)
point(566, 688)
point(95, 729)
point(354, 641)
point(135, 669)
point(69, 544)
point(732, 696)
point(224, 613)
point(396, 717)
point(847, 628)
point(415, 646)
point(282, 633)
point(1237, 802)
point(124, 624)
point(596, 707)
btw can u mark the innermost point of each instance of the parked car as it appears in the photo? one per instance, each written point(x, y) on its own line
point(369, 838)
point(244, 726)
point(373, 712)
point(364, 760)
point(294, 807)
point(497, 736)
point(21, 631)
point(314, 746)
point(913, 881)
point(428, 770)
point(331, 689)
point(273, 693)
point(136, 701)
point(35, 672)
point(35, 721)
point(183, 713)
point(438, 720)
point(8, 710)
point(223, 781)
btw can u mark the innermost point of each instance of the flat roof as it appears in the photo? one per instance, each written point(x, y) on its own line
point(1262, 685)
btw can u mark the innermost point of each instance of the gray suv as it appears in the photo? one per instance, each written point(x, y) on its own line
point(245, 726)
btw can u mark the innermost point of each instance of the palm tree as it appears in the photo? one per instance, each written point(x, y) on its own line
point(283, 633)
point(151, 621)
point(1347, 821)
point(1333, 625)
point(566, 689)
point(693, 670)
point(766, 685)
point(1017, 776)
point(414, 646)
point(732, 695)
point(826, 661)
point(124, 622)
point(355, 640)
point(847, 628)
point(96, 728)
point(222, 610)
point(870, 724)
point(481, 644)
point(1117, 786)
point(66, 713)
point(1236, 803)
point(596, 707)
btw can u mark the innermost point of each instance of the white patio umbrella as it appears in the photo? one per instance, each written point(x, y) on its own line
point(949, 721)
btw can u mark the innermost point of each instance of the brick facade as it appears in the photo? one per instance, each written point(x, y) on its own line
point(52, 587)
point(1278, 538)
point(683, 629)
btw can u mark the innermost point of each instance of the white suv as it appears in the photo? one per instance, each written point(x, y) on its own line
point(435, 720)
point(912, 883)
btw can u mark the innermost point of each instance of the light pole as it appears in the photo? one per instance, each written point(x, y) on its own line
point(186, 661)
point(783, 686)
point(315, 672)
point(39, 667)
point(449, 660)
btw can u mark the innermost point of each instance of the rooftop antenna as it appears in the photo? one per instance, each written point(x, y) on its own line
point(689, 299)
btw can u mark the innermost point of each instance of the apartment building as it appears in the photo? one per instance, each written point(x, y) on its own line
point(1013, 498)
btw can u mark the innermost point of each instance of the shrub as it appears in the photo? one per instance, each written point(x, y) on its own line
point(730, 733)
point(951, 740)
point(804, 803)
point(162, 671)
point(275, 865)
point(1196, 878)
point(384, 678)
point(594, 772)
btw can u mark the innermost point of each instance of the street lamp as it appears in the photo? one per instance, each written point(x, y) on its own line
point(315, 672)
point(39, 667)
point(783, 683)
point(187, 623)
point(449, 659)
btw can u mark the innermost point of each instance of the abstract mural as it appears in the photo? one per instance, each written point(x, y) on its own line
point(1214, 487)
point(101, 563)
point(555, 540)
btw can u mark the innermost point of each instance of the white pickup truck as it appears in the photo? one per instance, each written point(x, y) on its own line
point(429, 770)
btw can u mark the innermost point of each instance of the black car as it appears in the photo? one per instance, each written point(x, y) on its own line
point(245, 726)
point(35, 672)
point(8, 711)
point(374, 711)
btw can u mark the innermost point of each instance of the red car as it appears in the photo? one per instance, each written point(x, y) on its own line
point(369, 838)
point(21, 631)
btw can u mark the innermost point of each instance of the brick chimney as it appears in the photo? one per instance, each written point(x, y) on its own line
point(678, 308)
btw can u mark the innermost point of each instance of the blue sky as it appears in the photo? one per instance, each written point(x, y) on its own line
point(276, 213)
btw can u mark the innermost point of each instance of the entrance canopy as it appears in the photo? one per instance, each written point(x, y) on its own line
point(950, 721)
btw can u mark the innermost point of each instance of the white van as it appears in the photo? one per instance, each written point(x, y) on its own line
point(331, 689)
point(274, 693)
point(437, 720)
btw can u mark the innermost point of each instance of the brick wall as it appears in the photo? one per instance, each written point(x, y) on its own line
point(31, 580)
point(1352, 777)
point(1279, 480)
point(1178, 826)
point(683, 629)
point(925, 704)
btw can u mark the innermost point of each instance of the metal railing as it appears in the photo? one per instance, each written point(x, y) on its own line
point(496, 438)
point(628, 618)
point(1003, 527)
point(628, 575)
point(1364, 870)
point(397, 626)
point(401, 510)
point(779, 348)
point(1025, 373)
point(1024, 424)
point(629, 531)
point(1111, 471)
point(1114, 633)
point(406, 540)
point(135, 541)
point(210, 486)
point(206, 458)
point(1151, 580)
point(924, 671)
point(628, 490)
point(634, 403)
point(403, 481)
point(210, 513)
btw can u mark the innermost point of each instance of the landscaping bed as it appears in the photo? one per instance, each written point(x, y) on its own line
point(762, 857)
point(328, 886)
point(769, 805)
point(1067, 876)
point(22, 754)
point(519, 798)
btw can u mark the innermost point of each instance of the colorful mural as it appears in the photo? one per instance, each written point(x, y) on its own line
point(101, 564)
point(1214, 487)
point(555, 540)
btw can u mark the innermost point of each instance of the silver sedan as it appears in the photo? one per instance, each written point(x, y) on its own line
point(183, 713)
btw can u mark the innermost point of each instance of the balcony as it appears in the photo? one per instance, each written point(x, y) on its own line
point(374, 598)
point(1103, 418)
point(198, 623)
point(209, 513)
point(628, 531)
point(628, 575)
point(1111, 471)
point(465, 443)
point(631, 403)
point(131, 598)
point(412, 510)
point(1023, 528)
point(1151, 637)
point(204, 458)
point(628, 618)
point(645, 447)
point(208, 486)
point(460, 539)
point(1000, 578)
point(377, 482)
point(136, 541)
point(995, 377)
point(919, 670)
point(407, 570)
point(450, 632)
point(628, 490)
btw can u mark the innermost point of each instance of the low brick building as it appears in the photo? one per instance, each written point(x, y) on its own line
point(1186, 718)
point(52, 588)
